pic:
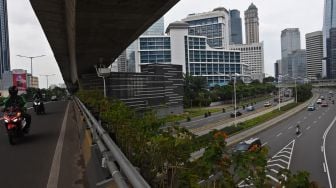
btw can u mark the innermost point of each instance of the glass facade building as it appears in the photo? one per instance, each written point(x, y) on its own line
point(155, 50)
point(236, 27)
point(217, 65)
point(329, 37)
point(4, 48)
point(214, 25)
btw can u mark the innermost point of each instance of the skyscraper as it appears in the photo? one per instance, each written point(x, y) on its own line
point(236, 27)
point(4, 44)
point(214, 25)
point(314, 45)
point(290, 41)
point(252, 24)
point(277, 69)
point(127, 61)
point(329, 38)
point(297, 64)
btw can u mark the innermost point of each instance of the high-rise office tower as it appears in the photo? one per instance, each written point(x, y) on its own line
point(314, 45)
point(214, 25)
point(127, 61)
point(297, 64)
point(329, 46)
point(252, 24)
point(4, 44)
point(290, 41)
point(277, 69)
point(236, 27)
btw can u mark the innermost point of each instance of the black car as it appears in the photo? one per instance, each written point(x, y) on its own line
point(247, 145)
point(237, 114)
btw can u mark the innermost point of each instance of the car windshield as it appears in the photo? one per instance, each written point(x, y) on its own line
point(242, 147)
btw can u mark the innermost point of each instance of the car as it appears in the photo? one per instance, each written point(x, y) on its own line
point(311, 107)
point(238, 113)
point(250, 108)
point(322, 98)
point(324, 104)
point(53, 98)
point(247, 145)
point(267, 104)
point(319, 101)
point(277, 99)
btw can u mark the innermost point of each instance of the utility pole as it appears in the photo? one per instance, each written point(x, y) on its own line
point(47, 76)
point(31, 61)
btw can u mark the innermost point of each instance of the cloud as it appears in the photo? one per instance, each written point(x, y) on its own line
point(27, 38)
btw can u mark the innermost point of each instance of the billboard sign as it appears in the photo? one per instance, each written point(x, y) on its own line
point(20, 79)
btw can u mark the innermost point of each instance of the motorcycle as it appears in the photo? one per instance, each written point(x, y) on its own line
point(298, 130)
point(15, 124)
point(38, 107)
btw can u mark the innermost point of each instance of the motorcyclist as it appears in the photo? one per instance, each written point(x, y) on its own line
point(15, 100)
point(38, 96)
point(298, 129)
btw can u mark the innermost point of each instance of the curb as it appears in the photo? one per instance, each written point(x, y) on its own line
point(250, 132)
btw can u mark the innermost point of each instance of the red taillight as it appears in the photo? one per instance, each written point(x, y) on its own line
point(10, 126)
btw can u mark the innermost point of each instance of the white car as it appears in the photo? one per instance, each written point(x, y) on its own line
point(319, 101)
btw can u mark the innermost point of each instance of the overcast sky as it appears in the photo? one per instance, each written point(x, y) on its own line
point(27, 37)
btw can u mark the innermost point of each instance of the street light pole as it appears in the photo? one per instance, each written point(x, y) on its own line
point(47, 76)
point(235, 98)
point(31, 61)
point(295, 91)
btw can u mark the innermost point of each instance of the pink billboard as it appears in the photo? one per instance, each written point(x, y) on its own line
point(20, 79)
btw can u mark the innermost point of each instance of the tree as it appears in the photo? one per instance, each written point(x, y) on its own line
point(269, 79)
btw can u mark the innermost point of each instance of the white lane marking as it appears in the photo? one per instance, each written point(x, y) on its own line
point(305, 117)
point(278, 134)
point(278, 160)
point(324, 167)
point(56, 163)
point(276, 165)
point(323, 114)
point(298, 122)
point(319, 117)
point(308, 128)
point(290, 127)
point(315, 122)
point(299, 135)
point(324, 151)
point(274, 179)
point(264, 144)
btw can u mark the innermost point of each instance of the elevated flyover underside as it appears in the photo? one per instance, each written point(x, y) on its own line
point(83, 33)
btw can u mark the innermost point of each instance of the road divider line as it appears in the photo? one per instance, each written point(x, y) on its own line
point(308, 128)
point(290, 127)
point(56, 163)
point(278, 134)
point(264, 144)
point(324, 151)
point(324, 167)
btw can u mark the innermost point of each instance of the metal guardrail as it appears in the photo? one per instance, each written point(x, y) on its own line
point(107, 147)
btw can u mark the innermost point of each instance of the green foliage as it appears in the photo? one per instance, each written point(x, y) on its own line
point(304, 92)
point(162, 155)
point(298, 180)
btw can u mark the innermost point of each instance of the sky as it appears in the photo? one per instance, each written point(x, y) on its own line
point(27, 37)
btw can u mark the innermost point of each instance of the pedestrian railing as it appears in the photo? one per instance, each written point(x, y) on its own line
point(112, 155)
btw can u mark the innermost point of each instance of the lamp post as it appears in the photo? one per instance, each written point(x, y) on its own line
point(47, 76)
point(102, 73)
point(31, 61)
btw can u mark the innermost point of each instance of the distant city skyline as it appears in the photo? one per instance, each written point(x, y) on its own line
point(4, 45)
point(274, 16)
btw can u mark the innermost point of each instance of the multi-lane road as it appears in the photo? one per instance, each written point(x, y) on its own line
point(312, 150)
point(29, 163)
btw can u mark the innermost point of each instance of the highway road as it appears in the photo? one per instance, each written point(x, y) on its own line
point(216, 117)
point(312, 150)
point(28, 164)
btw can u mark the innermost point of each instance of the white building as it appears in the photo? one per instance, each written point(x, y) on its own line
point(314, 45)
point(253, 56)
point(193, 53)
point(215, 25)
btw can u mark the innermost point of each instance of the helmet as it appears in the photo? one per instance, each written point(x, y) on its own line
point(38, 90)
point(13, 91)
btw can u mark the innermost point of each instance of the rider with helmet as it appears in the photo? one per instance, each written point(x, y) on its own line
point(38, 96)
point(18, 101)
